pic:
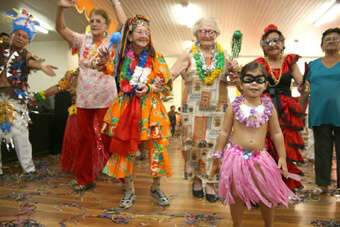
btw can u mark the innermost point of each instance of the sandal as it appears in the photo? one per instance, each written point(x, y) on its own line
point(160, 197)
point(83, 188)
point(127, 200)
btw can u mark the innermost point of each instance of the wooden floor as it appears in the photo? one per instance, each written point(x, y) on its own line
point(50, 201)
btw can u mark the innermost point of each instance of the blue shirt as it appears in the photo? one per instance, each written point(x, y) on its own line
point(324, 104)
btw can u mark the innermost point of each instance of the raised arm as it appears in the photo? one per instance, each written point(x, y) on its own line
point(119, 11)
point(61, 28)
point(180, 66)
point(277, 138)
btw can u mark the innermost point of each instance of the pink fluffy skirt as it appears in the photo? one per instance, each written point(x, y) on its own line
point(253, 177)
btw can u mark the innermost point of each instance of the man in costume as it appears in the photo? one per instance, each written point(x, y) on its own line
point(15, 65)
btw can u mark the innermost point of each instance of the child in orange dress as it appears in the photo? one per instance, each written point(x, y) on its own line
point(138, 114)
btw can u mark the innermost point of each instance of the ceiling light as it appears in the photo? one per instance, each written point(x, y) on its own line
point(187, 14)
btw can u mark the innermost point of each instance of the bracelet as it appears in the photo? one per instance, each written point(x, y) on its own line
point(217, 154)
point(40, 96)
point(62, 84)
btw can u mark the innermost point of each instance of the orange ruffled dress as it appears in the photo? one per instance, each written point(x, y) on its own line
point(154, 126)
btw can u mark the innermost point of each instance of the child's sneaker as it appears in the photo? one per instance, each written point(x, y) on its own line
point(127, 200)
point(160, 197)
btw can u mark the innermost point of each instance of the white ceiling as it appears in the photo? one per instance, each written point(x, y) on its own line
point(293, 17)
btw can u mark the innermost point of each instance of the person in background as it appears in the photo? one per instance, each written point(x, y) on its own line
point(70, 142)
point(172, 118)
point(4, 37)
point(324, 108)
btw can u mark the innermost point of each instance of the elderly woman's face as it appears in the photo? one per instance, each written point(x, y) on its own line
point(140, 36)
point(273, 44)
point(206, 35)
point(331, 42)
point(98, 24)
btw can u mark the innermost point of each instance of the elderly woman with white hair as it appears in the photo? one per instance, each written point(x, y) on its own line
point(204, 101)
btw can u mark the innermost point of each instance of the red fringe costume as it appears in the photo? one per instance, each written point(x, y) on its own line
point(291, 115)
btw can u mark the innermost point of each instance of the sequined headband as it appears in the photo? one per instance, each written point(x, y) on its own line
point(138, 20)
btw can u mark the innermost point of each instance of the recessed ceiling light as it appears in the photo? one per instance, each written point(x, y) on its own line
point(187, 14)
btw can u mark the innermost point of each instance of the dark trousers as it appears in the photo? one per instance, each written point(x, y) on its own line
point(173, 129)
point(325, 136)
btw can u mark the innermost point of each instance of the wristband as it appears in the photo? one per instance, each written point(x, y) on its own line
point(216, 154)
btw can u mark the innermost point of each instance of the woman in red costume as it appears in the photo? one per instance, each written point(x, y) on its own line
point(68, 83)
point(281, 70)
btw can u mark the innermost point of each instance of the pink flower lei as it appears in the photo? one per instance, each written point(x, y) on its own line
point(252, 117)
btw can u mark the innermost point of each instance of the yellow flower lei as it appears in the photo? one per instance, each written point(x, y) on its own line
point(209, 77)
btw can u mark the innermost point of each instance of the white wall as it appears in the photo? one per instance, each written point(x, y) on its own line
point(176, 89)
point(55, 53)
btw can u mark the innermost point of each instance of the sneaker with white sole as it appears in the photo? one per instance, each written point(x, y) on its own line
point(160, 197)
point(127, 200)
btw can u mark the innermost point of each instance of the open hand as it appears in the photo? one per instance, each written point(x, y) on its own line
point(282, 164)
point(48, 69)
point(103, 56)
point(304, 88)
point(233, 66)
point(157, 84)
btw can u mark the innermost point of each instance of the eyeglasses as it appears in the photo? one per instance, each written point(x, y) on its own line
point(331, 39)
point(142, 32)
point(271, 42)
point(207, 32)
point(248, 78)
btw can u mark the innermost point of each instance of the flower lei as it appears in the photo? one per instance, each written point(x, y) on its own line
point(208, 73)
point(252, 117)
point(134, 73)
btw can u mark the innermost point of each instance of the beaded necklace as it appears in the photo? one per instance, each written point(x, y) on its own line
point(276, 81)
